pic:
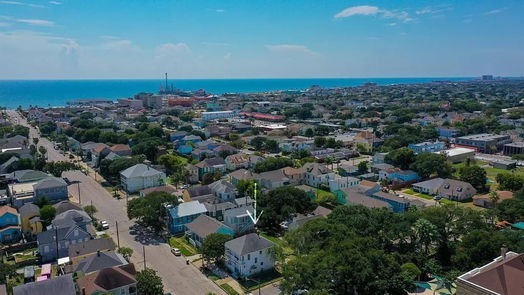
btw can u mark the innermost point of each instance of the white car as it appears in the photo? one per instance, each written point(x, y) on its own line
point(104, 224)
point(176, 251)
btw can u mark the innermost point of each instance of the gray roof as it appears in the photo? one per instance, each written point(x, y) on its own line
point(219, 206)
point(112, 156)
point(190, 208)
point(222, 186)
point(243, 174)
point(240, 211)
point(62, 285)
point(91, 246)
point(316, 168)
point(204, 226)
point(64, 206)
point(242, 201)
point(71, 217)
point(358, 198)
point(248, 243)
point(434, 183)
point(99, 261)
point(274, 175)
point(50, 182)
point(28, 209)
point(28, 174)
point(139, 170)
point(199, 190)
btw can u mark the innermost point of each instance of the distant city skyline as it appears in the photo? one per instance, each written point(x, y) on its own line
point(97, 39)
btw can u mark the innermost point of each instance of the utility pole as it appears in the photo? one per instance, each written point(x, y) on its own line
point(117, 235)
point(144, 251)
point(57, 244)
point(79, 198)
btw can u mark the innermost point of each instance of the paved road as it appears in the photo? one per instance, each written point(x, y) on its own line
point(178, 278)
point(52, 154)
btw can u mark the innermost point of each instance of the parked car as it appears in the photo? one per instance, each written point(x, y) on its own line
point(176, 251)
point(104, 224)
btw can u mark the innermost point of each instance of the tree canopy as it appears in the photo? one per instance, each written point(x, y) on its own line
point(150, 210)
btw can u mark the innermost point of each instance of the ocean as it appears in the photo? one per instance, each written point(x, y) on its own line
point(43, 93)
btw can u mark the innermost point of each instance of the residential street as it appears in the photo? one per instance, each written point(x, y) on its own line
point(178, 278)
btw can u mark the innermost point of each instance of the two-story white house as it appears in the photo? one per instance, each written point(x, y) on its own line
point(249, 255)
point(341, 182)
point(141, 176)
point(317, 174)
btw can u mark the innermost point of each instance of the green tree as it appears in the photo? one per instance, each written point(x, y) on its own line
point(149, 283)
point(309, 133)
point(90, 210)
point(272, 163)
point(511, 182)
point(412, 271)
point(6, 271)
point(280, 204)
point(402, 158)
point(126, 252)
point(363, 166)
point(47, 213)
point(172, 163)
point(57, 168)
point(258, 142)
point(475, 175)
point(150, 210)
point(429, 164)
point(319, 141)
point(213, 247)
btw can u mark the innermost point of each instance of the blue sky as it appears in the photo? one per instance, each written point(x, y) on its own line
point(104, 39)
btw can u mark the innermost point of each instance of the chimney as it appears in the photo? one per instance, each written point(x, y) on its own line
point(503, 251)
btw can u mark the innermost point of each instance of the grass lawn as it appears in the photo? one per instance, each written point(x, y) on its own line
point(414, 193)
point(229, 290)
point(265, 278)
point(185, 248)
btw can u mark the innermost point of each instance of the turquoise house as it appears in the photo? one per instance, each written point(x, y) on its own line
point(184, 214)
point(185, 149)
point(10, 229)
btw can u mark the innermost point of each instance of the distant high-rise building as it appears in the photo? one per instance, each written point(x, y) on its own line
point(487, 77)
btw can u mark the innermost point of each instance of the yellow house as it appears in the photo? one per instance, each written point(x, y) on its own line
point(30, 219)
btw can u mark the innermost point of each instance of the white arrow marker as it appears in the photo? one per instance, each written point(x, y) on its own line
point(254, 217)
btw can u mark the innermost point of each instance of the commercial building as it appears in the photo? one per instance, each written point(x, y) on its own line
point(427, 147)
point(515, 148)
point(458, 154)
point(208, 116)
point(484, 142)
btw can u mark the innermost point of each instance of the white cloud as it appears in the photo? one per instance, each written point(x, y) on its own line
point(55, 2)
point(285, 48)
point(12, 3)
point(433, 10)
point(495, 11)
point(374, 11)
point(227, 56)
point(220, 10)
point(21, 4)
point(392, 24)
point(37, 22)
point(357, 10)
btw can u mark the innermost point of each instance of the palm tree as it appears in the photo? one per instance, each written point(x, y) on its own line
point(494, 197)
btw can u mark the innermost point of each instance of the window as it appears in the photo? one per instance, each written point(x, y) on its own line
point(260, 252)
point(256, 259)
point(248, 256)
